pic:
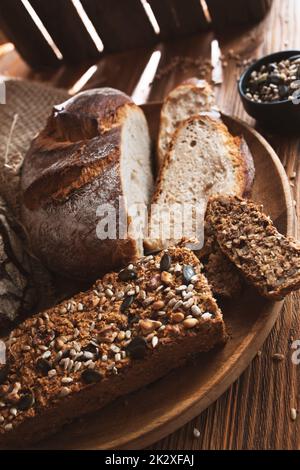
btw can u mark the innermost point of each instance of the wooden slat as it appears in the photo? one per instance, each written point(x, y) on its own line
point(258, 9)
point(235, 12)
point(120, 24)
point(66, 29)
point(22, 31)
point(178, 18)
point(181, 59)
point(120, 70)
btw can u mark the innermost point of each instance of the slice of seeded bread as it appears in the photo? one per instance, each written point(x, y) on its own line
point(267, 259)
point(187, 99)
point(204, 160)
point(130, 329)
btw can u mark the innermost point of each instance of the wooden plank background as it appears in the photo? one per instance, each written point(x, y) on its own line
point(121, 25)
point(238, 12)
point(177, 18)
point(255, 412)
point(67, 30)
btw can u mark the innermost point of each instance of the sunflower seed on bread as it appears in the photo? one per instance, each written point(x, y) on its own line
point(187, 99)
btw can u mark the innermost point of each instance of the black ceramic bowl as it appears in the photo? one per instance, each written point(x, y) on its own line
point(280, 114)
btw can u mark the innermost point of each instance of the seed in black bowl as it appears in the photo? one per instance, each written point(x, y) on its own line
point(187, 273)
point(26, 401)
point(271, 67)
point(3, 373)
point(127, 275)
point(165, 262)
point(43, 366)
point(283, 91)
point(126, 303)
point(137, 348)
point(261, 79)
point(90, 376)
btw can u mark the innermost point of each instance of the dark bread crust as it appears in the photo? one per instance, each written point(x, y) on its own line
point(71, 168)
point(52, 174)
point(81, 118)
point(87, 401)
point(101, 105)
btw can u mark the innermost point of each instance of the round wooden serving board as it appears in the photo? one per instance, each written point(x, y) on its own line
point(151, 413)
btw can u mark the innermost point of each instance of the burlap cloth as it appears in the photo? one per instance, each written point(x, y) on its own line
point(25, 285)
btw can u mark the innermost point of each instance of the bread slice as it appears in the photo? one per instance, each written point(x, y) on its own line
point(204, 160)
point(223, 277)
point(93, 153)
point(127, 331)
point(267, 259)
point(187, 99)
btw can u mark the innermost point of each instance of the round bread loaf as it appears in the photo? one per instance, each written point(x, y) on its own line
point(94, 150)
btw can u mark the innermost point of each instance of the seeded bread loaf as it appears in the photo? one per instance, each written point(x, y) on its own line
point(204, 160)
point(267, 259)
point(94, 150)
point(187, 99)
point(129, 330)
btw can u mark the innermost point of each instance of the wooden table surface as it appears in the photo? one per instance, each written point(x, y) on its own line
point(255, 413)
